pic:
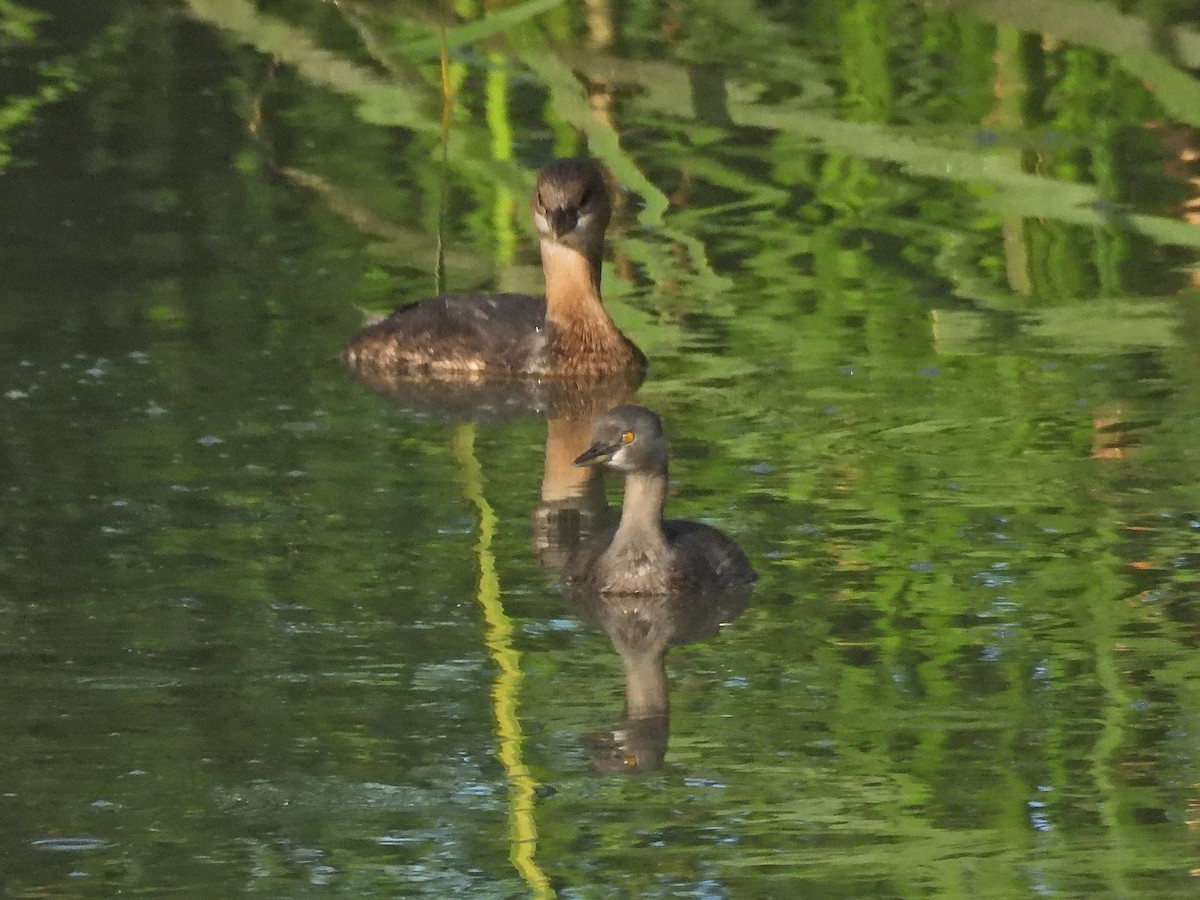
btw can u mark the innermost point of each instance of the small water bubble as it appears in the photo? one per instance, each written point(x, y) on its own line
point(476, 790)
point(120, 503)
point(139, 356)
point(921, 566)
point(210, 440)
point(761, 468)
point(25, 363)
point(70, 844)
point(396, 840)
point(847, 370)
point(153, 409)
point(322, 875)
point(16, 394)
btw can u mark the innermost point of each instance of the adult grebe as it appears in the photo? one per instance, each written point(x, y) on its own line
point(643, 554)
point(471, 337)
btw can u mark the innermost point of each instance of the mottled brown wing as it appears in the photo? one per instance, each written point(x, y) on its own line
point(454, 333)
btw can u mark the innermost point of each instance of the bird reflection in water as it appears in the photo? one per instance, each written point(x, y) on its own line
point(643, 627)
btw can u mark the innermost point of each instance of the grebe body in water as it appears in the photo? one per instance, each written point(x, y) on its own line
point(644, 554)
point(566, 334)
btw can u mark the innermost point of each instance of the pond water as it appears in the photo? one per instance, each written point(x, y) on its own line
point(920, 286)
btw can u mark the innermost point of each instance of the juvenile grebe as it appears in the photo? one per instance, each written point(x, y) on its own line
point(643, 554)
point(566, 334)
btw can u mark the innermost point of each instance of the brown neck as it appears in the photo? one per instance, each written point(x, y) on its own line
point(642, 511)
point(573, 287)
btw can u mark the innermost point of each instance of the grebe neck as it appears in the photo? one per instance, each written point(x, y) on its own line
point(642, 510)
point(573, 287)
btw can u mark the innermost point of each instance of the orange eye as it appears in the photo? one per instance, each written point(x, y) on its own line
point(627, 437)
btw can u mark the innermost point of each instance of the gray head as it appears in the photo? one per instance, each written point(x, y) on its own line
point(628, 438)
point(570, 203)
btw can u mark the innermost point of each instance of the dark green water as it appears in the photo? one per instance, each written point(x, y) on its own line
point(920, 288)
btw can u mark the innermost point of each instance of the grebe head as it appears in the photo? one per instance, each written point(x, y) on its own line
point(570, 203)
point(628, 438)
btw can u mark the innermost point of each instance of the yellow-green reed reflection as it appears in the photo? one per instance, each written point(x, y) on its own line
point(505, 694)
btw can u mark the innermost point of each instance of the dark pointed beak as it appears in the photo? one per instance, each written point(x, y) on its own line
point(563, 221)
point(597, 454)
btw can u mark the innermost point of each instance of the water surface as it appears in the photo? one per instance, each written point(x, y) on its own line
point(919, 287)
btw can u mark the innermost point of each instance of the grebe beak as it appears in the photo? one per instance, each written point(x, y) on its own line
point(562, 221)
point(597, 454)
